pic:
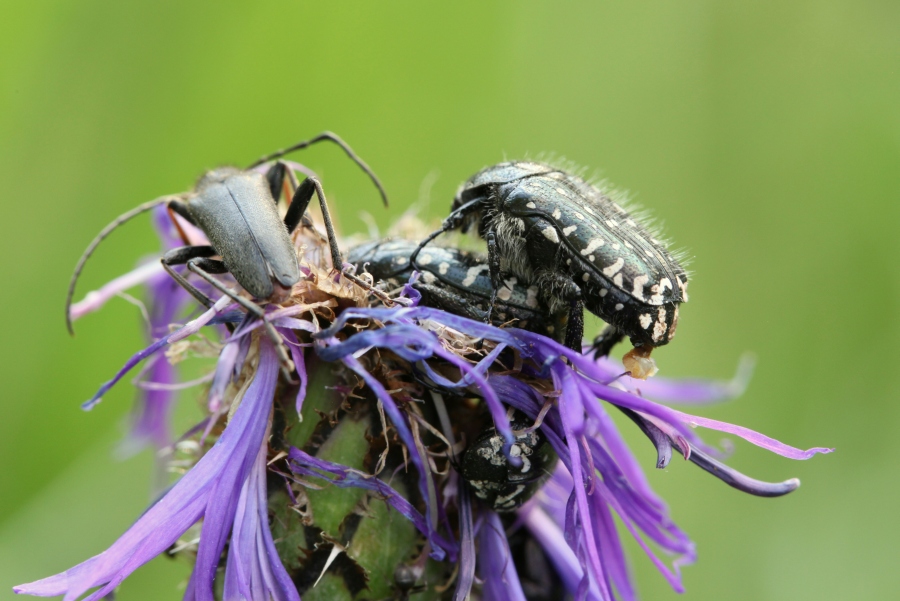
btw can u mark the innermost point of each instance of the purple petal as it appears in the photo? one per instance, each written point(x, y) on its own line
point(95, 299)
point(467, 556)
point(495, 565)
point(304, 464)
point(207, 490)
point(254, 570)
point(192, 327)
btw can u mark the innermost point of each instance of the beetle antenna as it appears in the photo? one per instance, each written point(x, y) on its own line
point(96, 242)
point(331, 137)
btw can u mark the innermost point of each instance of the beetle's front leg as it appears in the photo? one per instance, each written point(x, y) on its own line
point(204, 268)
point(180, 256)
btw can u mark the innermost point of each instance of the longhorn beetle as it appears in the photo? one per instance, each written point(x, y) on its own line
point(555, 230)
point(237, 210)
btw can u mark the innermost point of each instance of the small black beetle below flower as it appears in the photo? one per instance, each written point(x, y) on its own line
point(503, 486)
point(554, 230)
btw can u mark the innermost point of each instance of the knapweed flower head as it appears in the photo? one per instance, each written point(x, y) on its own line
point(345, 483)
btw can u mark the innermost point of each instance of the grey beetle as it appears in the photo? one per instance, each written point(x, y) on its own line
point(555, 230)
point(237, 210)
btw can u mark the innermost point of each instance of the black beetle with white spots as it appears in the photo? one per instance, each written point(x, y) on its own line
point(556, 231)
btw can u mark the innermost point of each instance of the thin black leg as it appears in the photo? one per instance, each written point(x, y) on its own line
point(181, 208)
point(275, 176)
point(575, 325)
point(180, 256)
point(300, 202)
point(493, 269)
point(203, 268)
point(452, 222)
point(604, 343)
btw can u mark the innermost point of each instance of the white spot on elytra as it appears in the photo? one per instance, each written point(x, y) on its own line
point(531, 297)
point(568, 230)
point(593, 245)
point(472, 274)
point(562, 191)
point(659, 329)
point(617, 280)
point(401, 260)
point(645, 320)
point(612, 223)
point(428, 277)
point(616, 246)
point(631, 222)
point(603, 292)
point(585, 276)
point(627, 245)
point(639, 282)
point(425, 259)
point(619, 306)
point(443, 267)
point(550, 234)
point(556, 214)
point(568, 261)
point(614, 268)
point(591, 258)
point(578, 216)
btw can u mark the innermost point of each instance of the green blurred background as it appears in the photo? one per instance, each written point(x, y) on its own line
point(766, 136)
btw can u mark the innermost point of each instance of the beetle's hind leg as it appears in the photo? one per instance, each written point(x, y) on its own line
point(197, 260)
point(606, 340)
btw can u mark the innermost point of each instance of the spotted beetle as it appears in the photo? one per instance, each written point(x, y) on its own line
point(554, 230)
point(494, 479)
point(458, 282)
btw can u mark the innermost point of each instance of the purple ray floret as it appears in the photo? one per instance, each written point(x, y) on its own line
point(211, 490)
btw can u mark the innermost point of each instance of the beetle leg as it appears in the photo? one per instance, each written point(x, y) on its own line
point(494, 269)
point(300, 202)
point(606, 340)
point(180, 256)
point(182, 209)
point(275, 176)
point(330, 137)
point(297, 209)
point(452, 222)
point(575, 325)
point(204, 267)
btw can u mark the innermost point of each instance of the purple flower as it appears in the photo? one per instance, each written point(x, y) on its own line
point(254, 476)
point(223, 488)
point(598, 476)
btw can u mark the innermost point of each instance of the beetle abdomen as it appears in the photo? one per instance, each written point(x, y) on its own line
point(259, 257)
